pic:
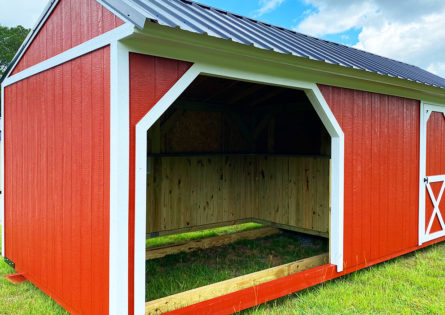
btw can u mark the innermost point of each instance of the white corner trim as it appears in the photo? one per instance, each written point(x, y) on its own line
point(150, 118)
point(75, 52)
point(119, 178)
point(2, 171)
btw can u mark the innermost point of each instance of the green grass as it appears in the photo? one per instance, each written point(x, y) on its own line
point(412, 284)
point(24, 298)
point(178, 238)
point(185, 271)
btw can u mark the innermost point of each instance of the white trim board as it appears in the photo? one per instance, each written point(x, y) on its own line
point(320, 106)
point(73, 53)
point(424, 236)
point(34, 31)
point(41, 21)
point(119, 178)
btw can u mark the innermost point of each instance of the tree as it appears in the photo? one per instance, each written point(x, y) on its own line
point(10, 40)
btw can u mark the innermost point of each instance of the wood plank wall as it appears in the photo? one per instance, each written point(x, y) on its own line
point(72, 23)
point(193, 191)
point(57, 180)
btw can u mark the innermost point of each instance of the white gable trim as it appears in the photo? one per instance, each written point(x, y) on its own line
point(41, 21)
point(73, 53)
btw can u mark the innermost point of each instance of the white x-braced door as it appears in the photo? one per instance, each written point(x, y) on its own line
point(432, 173)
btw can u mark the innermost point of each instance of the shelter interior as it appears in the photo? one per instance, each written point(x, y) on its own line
point(229, 152)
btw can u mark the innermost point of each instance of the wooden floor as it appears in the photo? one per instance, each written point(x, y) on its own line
point(161, 251)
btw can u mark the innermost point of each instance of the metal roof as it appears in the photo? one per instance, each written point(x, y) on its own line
point(198, 18)
point(194, 17)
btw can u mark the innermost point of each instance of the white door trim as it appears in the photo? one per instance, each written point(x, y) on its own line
point(426, 109)
point(320, 106)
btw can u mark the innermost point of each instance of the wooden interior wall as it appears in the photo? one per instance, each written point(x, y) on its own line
point(192, 191)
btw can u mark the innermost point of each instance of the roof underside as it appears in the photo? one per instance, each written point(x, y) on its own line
point(198, 18)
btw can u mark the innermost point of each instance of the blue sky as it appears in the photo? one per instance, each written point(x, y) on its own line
point(412, 31)
point(288, 14)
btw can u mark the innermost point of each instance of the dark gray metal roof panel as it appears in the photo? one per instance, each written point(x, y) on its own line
point(194, 17)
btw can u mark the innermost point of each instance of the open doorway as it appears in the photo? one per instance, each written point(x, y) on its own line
point(230, 152)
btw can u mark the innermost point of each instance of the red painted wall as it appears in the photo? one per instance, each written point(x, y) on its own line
point(57, 136)
point(150, 78)
point(381, 172)
point(381, 191)
point(71, 23)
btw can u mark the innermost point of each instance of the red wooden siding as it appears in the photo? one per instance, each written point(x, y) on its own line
point(381, 172)
point(57, 181)
point(72, 22)
point(435, 165)
point(150, 78)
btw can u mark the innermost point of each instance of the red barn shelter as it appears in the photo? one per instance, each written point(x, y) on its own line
point(127, 120)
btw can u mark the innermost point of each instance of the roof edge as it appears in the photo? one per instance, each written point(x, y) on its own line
point(32, 34)
point(192, 43)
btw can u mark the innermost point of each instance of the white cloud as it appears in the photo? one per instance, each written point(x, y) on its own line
point(21, 12)
point(267, 6)
point(437, 68)
point(410, 31)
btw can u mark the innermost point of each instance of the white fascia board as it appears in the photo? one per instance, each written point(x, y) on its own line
point(119, 178)
point(73, 53)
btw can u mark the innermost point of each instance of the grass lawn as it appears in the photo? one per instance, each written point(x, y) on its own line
point(170, 239)
point(185, 271)
point(413, 283)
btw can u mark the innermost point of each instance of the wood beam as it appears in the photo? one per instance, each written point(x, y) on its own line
point(190, 246)
point(200, 106)
point(198, 227)
point(291, 228)
point(211, 291)
point(156, 138)
point(214, 107)
point(171, 121)
point(245, 93)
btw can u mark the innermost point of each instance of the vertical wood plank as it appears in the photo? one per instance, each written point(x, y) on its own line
point(71, 23)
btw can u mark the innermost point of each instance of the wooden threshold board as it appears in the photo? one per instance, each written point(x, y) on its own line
point(211, 291)
point(161, 251)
